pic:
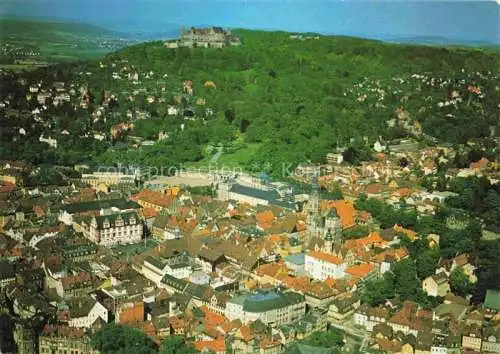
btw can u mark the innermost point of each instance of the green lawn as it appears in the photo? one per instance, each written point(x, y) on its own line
point(237, 158)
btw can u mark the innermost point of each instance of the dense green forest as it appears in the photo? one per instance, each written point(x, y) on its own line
point(277, 101)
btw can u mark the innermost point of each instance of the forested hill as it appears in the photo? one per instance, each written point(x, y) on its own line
point(272, 100)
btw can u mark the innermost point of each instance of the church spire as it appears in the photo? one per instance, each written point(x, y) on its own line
point(313, 226)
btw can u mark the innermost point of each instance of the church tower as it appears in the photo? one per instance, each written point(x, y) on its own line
point(333, 225)
point(328, 245)
point(313, 227)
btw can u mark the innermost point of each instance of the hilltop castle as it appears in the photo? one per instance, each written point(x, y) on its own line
point(213, 37)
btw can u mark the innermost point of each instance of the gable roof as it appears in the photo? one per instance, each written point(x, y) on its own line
point(492, 299)
point(121, 204)
point(361, 270)
point(155, 198)
point(216, 345)
point(326, 257)
point(129, 218)
point(266, 300)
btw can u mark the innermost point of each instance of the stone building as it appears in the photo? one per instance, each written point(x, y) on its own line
point(213, 37)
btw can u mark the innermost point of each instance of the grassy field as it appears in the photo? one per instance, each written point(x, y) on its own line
point(237, 157)
point(55, 42)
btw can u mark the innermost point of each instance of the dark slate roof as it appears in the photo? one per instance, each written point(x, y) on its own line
point(209, 255)
point(197, 291)
point(175, 283)
point(440, 278)
point(7, 270)
point(492, 300)
point(121, 204)
point(156, 262)
point(80, 307)
point(298, 258)
point(112, 218)
point(79, 250)
point(268, 300)
point(271, 196)
point(161, 221)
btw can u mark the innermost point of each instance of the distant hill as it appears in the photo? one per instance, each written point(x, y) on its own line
point(55, 41)
point(18, 28)
point(442, 41)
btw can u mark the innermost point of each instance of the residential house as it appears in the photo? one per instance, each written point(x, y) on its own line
point(86, 313)
point(464, 262)
point(130, 313)
point(319, 295)
point(436, 285)
point(156, 200)
point(296, 264)
point(472, 338)
point(342, 307)
point(406, 319)
point(155, 269)
point(491, 339)
point(367, 317)
point(209, 259)
point(320, 265)
point(64, 339)
point(74, 285)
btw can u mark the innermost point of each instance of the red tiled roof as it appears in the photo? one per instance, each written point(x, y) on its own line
point(216, 346)
point(271, 269)
point(212, 318)
point(149, 213)
point(246, 333)
point(155, 198)
point(265, 217)
point(410, 233)
point(483, 163)
point(373, 239)
point(62, 331)
point(345, 210)
point(397, 254)
point(374, 188)
point(132, 314)
point(403, 192)
point(77, 280)
point(360, 270)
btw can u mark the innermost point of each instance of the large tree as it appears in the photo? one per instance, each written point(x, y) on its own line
point(176, 345)
point(459, 282)
point(118, 339)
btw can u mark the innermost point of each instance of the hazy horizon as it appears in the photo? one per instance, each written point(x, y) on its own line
point(475, 21)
